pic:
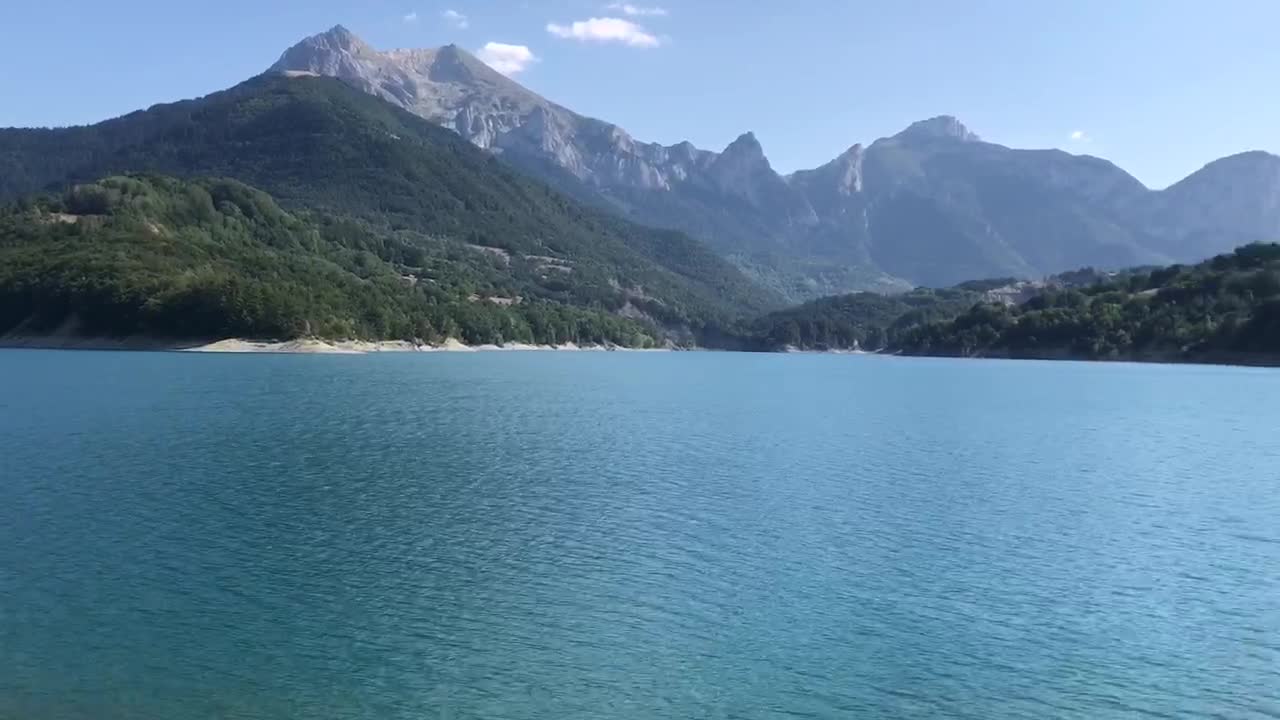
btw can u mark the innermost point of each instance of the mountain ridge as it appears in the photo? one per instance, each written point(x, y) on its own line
point(933, 204)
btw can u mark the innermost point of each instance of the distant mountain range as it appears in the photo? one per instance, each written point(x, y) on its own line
point(932, 205)
point(296, 204)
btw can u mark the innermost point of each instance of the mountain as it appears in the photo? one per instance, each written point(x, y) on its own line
point(932, 205)
point(451, 87)
point(941, 206)
point(321, 147)
point(1229, 202)
point(732, 200)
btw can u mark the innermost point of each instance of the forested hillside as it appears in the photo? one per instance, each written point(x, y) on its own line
point(1224, 309)
point(862, 320)
point(209, 259)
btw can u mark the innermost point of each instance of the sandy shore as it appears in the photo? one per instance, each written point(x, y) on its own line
point(235, 345)
point(792, 349)
point(298, 346)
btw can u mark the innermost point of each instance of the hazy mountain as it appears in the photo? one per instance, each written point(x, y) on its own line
point(1226, 203)
point(933, 204)
point(734, 200)
point(942, 206)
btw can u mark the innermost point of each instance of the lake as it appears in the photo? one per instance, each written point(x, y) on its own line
point(635, 535)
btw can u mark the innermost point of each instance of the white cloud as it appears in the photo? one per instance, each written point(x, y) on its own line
point(605, 30)
point(1080, 136)
point(634, 10)
point(506, 59)
point(456, 19)
point(411, 17)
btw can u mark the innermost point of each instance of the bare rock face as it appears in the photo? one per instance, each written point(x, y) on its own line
point(454, 88)
point(842, 176)
point(737, 170)
point(942, 127)
point(742, 171)
point(445, 85)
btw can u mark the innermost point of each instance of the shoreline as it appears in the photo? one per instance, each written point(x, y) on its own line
point(297, 346)
point(316, 346)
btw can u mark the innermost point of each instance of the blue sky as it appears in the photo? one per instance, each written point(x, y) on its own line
point(1160, 87)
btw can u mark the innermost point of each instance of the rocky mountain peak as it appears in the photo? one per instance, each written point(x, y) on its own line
point(1236, 197)
point(446, 85)
point(1252, 160)
point(1225, 178)
point(743, 171)
point(453, 64)
point(333, 52)
point(852, 155)
point(444, 55)
point(746, 148)
point(741, 166)
point(338, 37)
point(938, 128)
point(847, 170)
point(842, 176)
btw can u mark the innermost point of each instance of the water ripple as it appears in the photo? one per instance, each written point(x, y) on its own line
point(612, 536)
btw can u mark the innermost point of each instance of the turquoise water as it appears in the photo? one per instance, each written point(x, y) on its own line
point(614, 535)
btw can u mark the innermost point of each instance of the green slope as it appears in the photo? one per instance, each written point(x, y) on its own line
point(856, 320)
point(1224, 309)
point(319, 145)
point(209, 259)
